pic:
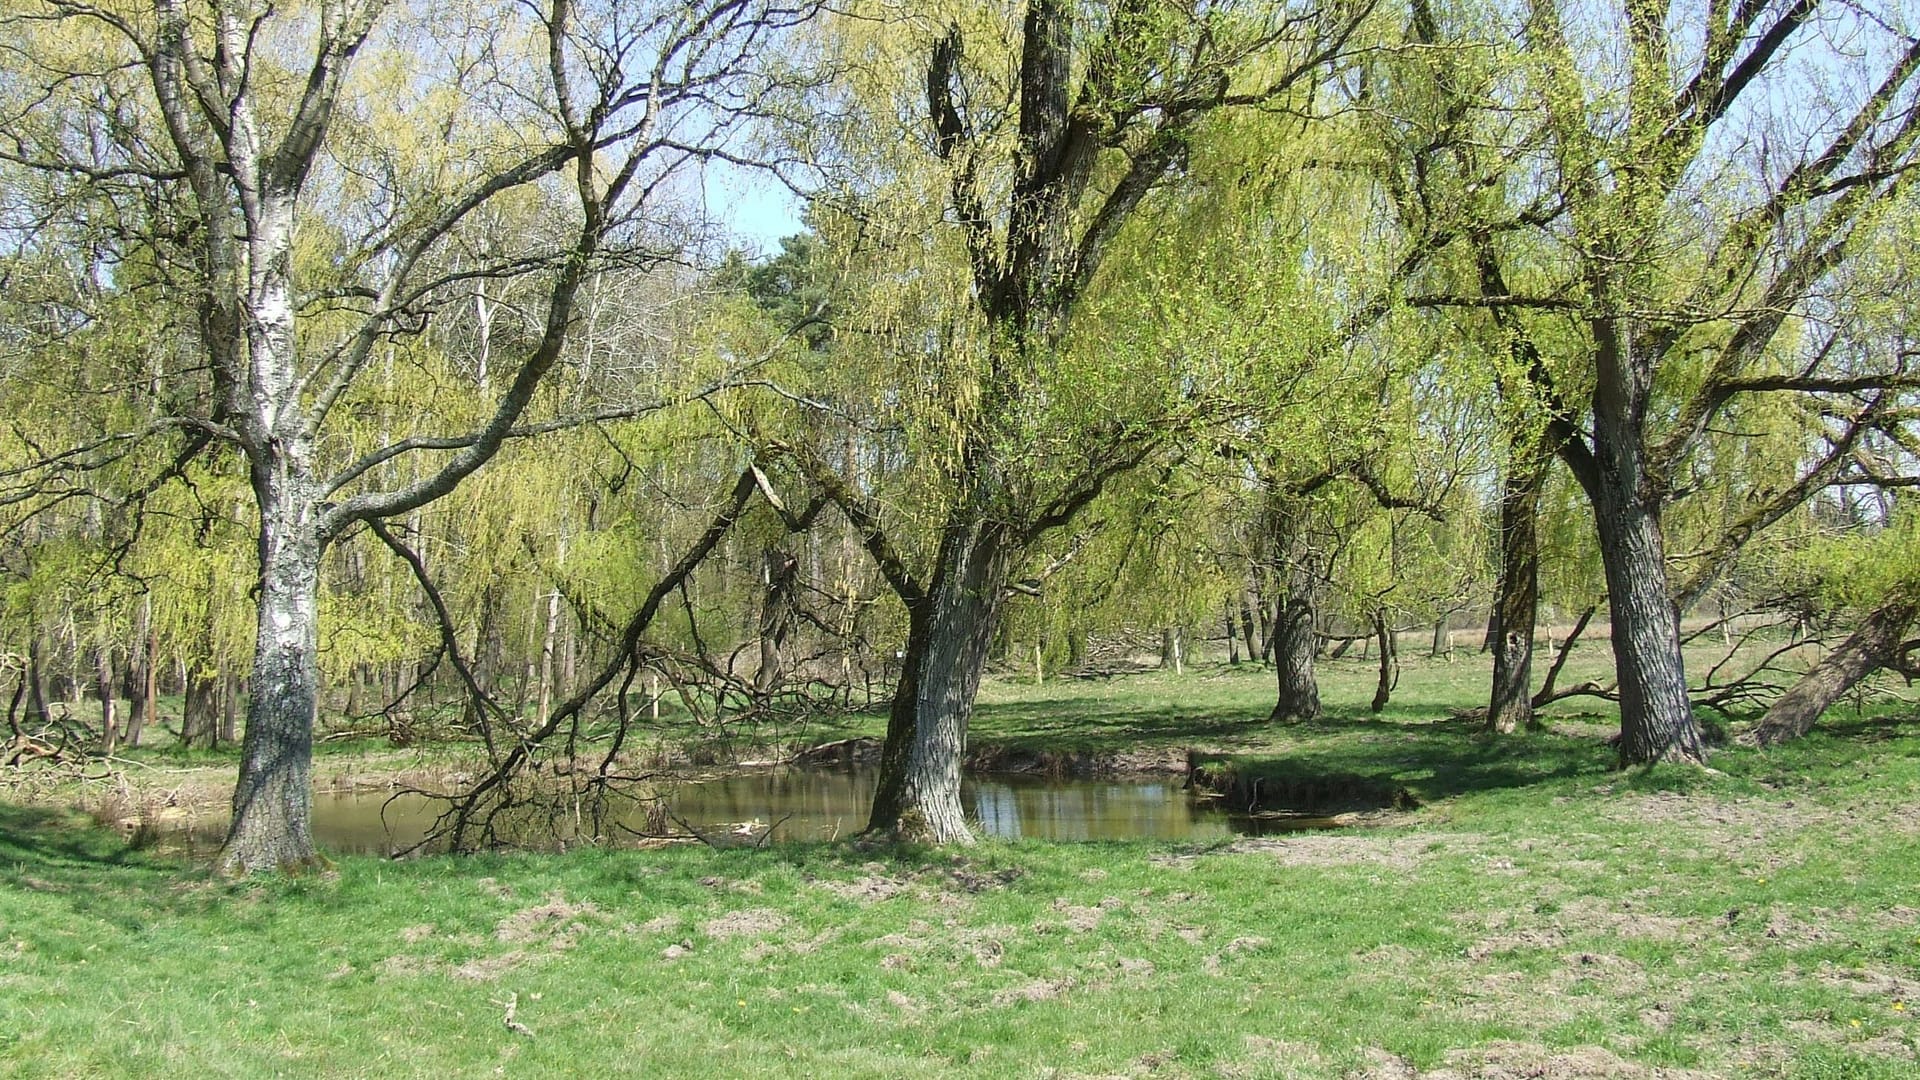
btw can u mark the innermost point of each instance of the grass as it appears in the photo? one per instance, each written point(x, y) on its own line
point(1541, 915)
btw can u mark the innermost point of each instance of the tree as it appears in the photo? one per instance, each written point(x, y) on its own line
point(1042, 173)
point(1690, 266)
point(600, 100)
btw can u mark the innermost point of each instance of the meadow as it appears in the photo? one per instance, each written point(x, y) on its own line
point(1540, 914)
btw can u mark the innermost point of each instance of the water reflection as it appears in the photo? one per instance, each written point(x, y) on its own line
point(818, 804)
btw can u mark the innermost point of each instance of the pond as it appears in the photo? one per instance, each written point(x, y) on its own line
point(826, 804)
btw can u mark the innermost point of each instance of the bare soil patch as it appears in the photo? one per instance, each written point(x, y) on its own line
point(1521, 1061)
point(749, 922)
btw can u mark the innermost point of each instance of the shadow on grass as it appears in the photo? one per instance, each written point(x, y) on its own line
point(1433, 759)
point(67, 854)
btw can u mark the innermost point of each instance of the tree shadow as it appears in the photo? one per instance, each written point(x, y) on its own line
point(1429, 753)
point(63, 853)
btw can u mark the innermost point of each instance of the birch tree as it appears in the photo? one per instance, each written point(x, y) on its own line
point(227, 129)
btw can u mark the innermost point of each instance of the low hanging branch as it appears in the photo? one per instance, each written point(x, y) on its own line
point(471, 813)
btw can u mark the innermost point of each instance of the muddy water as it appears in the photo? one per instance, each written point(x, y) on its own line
point(815, 804)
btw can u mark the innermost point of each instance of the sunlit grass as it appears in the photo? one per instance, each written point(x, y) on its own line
point(1541, 914)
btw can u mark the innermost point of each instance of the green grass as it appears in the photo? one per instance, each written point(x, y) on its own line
point(1542, 915)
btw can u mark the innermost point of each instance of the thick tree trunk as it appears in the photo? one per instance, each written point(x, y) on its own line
point(776, 618)
point(918, 793)
point(1656, 717)
point(272, 827)
point(1170, 650)
point(1296, 637)
point(1294, 644)
point(230, 691)
point(1248, 632)
point(1873, 646)
point(1518, 604)
point(200, 717)
point(142, 676)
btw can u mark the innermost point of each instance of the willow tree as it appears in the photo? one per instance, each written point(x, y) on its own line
point(238, 141)
point(1048, 132)
point(1694, 235)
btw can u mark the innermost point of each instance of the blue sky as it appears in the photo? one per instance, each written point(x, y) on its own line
point(756, 208)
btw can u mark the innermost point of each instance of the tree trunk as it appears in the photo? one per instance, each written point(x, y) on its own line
point(1656, 717)
point(1877, 642)
point(200, 716)
point(228, 732)
point(272, 825)
point(1518, 604)
point(1170, 650)
point(1383, 690)
point(36, 676)
point(918, 793)
point(1294, 643)
point(143, 676)
point(776, 618)
point(103, 690)
point(1233, 642)
point(1248, 632)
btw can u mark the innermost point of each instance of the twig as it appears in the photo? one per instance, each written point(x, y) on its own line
point(512, 1005)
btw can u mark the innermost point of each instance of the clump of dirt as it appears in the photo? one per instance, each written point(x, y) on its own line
point(1546, 937)
point(1037, 990)
point(1868, 983)
point(413, 935)
point(555, 920)
point(1593, 914)
point(748, 922)
point(866, 890)
point(971, 880)
point(1265, 1057)
point(489, 968)
point(1075, 917)
point(1325, 849)
point(405, 966)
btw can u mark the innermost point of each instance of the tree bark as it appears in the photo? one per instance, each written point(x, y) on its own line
point(776, 618)
point(272, 827)
point(36, 677)
point(1248, 633)
point(1170, 650)
point(1383, 689)
point(200, 716)
point(1656, 716)
point(1233, 641)
point(1295, 634)
point(918, 793)
point(1518, 604)
point(105, 693)
point(1876, 643)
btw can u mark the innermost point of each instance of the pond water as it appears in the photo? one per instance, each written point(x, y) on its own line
point(824, 804)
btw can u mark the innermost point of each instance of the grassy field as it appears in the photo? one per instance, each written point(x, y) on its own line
point(1539, 916)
